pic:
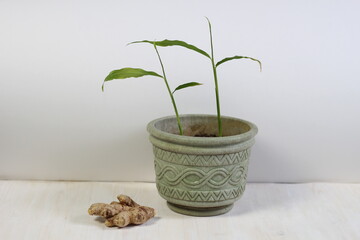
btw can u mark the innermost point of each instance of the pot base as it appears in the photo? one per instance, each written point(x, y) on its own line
point(200, 212)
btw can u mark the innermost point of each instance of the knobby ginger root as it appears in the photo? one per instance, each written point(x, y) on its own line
point(122, 213)
point(136, 215)
point(126, 200)
point(107, 210)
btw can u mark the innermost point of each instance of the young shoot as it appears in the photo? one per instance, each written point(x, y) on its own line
point(124, 73)
point(167, 43)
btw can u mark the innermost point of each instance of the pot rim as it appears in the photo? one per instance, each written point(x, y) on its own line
point(198, 141)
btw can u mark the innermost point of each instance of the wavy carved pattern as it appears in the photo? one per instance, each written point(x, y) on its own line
point(201, 160)
point(200, 196)
point(196, 178)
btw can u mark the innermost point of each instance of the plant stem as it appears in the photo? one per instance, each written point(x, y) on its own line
point(217, 99)
point(216, 84)
point(170, 93)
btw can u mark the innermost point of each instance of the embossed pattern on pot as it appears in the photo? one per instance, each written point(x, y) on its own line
point(201, 196)
point(208, 179)
point(201, 160)
point(196, 178)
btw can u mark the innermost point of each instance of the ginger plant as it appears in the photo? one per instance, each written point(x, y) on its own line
point(167, 43)
point(124, 73)
point(122, 213)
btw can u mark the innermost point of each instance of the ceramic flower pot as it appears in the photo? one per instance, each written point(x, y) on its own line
point(201, 176)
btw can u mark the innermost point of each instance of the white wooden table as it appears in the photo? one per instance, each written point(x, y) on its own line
point(58, 210)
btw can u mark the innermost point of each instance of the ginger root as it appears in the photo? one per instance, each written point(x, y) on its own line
point(122, 213)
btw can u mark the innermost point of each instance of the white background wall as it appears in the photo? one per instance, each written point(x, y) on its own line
point(55, 123)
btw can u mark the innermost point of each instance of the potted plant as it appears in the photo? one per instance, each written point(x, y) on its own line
point(201, 161)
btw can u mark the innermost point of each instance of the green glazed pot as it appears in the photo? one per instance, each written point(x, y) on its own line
point(201, 176)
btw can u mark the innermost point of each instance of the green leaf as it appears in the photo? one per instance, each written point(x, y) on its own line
point(186, 85)
point(211, 40)
point(168, 43)
point(128, 73)
point(238, 57)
